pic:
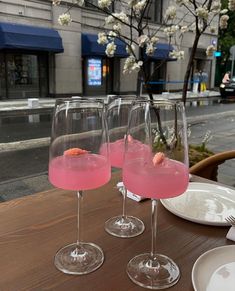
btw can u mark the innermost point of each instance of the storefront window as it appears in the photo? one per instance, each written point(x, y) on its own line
point(2, 77)
point(23, 75)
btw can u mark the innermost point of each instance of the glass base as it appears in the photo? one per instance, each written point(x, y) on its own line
point(160, 273)
point(75, 260)
point(124, 227)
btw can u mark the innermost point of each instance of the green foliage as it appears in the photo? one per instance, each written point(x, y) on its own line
point(198, 153)
point(227, 36)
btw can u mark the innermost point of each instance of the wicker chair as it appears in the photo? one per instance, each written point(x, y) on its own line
point(208, 168)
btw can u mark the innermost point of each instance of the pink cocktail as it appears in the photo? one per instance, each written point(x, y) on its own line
point(117, 148)
point(165, 180)
point(83, 172)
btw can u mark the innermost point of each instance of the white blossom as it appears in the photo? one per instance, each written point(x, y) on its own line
point(80, 2)
point(139, 6)
point(154, 40)
point(208, 136)
point(182, 2)
point(210, 50)
point(231, 5)
point(130, 48)
point(110, 49)
point(215, 6)
point(170, 12)
point(121, 16)
point(202, 13)
point(56, 2)
point(171, 30)
point(131, 3)
point(109, 19)
point(223, 23)
point(112, 34)
point(184, 28)
point(150, 49)
point(137, 66)
point(117, 27)
point(131, 65)
point(224, 11)
point(142, 40)
point(65, 19)
point(179, 55)
point(104, 3)
point(102, 38)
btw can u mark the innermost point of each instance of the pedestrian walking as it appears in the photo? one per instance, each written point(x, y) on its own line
point(204, 79)
point(196, 79)
point(226, 78)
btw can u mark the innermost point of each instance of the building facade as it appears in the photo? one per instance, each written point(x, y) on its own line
point(40, 58)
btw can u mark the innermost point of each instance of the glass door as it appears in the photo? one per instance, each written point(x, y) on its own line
point(3, 89)
point(97, 76)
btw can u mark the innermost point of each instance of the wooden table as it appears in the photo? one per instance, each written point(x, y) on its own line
point(33, 228)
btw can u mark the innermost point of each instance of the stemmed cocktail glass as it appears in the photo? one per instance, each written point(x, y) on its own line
point(162, 174)
point(78, 132)
point(117, 112)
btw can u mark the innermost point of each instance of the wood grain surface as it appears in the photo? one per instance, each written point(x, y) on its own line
point(34, 227)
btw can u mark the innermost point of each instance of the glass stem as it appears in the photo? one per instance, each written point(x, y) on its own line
point(154, 229)
point(80, 197)
point(124, 192)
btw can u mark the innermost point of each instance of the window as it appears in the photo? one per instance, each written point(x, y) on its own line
point(154, 12)
point(23, 75)
point(90, 4)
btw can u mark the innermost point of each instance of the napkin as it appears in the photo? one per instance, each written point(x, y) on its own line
point(231, 233)
point(129, 193)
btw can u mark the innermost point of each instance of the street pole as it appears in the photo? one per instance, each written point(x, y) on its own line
point(232, 64)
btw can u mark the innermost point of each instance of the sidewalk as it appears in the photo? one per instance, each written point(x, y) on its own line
point(20, 106)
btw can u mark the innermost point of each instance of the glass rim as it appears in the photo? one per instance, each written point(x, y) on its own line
point(78, 98)
point(159, 101)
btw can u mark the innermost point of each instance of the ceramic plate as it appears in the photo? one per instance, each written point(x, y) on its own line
point(203, 203)
point(215, 270)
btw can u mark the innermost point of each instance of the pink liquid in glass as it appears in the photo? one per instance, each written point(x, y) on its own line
point(165, 180)
point(83, 172)
point(117, 149)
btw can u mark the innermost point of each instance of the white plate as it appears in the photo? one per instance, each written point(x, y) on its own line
point(203, 203)
point(215, 270)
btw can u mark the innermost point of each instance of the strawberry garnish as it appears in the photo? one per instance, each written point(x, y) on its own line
point(129, 138)
point(158, 158)
point(75, 152)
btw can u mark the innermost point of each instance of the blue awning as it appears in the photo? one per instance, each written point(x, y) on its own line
point(162, 52)
point(90, 46)
point(18, 36)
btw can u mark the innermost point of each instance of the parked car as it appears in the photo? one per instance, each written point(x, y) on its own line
point(227, 90)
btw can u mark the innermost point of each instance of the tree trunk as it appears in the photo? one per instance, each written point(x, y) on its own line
point(139, 84)
point(189, 66)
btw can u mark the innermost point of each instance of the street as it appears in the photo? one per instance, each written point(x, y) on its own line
point(23, 165)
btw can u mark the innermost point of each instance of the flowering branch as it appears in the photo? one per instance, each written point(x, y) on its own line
point(130, 24)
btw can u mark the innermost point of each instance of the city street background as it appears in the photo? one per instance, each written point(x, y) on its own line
point(24, 146)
